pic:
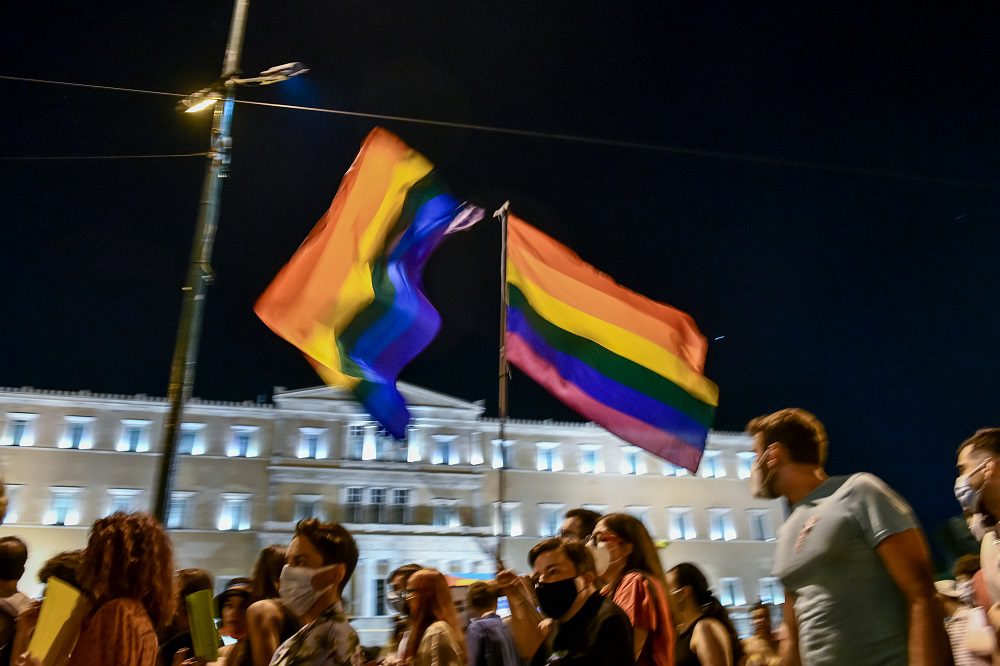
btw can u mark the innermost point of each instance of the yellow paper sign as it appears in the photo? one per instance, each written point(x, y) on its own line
point(59, 619)
point(201, 618)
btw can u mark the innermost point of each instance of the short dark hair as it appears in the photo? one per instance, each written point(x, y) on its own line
point(64, 566)
point(576, 552)
point(967, 565)
point(193, 580)
point(13, 555)
point(800, 432)
point(482, 595)
point(405, 571)
point(985, 439)
point(588, 520)
point(333, 542)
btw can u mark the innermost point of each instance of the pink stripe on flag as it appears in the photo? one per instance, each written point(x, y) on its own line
point(630, 429)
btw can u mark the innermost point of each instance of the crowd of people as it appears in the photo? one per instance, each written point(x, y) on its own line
point(853, 560)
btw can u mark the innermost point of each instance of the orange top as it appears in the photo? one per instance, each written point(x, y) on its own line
point(118, 633)
point(645, 602)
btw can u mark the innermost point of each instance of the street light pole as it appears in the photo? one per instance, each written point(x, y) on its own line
point(199, 275)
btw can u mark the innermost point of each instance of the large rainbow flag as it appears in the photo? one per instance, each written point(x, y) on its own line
point(351, 297)
point(628, 363)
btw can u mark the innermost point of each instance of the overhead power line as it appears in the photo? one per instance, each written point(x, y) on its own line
point(52, 158)
point(748, 158)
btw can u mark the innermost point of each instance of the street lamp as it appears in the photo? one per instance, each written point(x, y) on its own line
point(199, 275)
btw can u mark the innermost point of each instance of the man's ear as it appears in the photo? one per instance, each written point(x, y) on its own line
point(588, 578)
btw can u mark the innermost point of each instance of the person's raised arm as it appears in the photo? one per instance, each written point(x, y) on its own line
point(907, 559)
point(524, 619)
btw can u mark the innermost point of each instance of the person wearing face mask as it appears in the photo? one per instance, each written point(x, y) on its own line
point(584, 628)
point(319, 563)
point(854, 562)
point(628, 563)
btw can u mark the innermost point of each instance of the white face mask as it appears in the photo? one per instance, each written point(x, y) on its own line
point(296, 588)
point(602, 556)
point(967, 496)
point(759, 480)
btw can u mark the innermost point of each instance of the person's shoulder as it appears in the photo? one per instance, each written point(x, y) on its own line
point(864, 485)
point(264, 610)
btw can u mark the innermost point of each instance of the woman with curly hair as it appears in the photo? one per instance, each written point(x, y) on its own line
point(635, 582)
point(127, 570)
point(435, 633)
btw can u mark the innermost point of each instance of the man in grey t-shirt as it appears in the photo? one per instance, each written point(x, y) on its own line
point(852, 558)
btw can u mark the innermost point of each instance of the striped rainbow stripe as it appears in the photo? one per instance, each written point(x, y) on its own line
point(351, 298)
point(630, 364)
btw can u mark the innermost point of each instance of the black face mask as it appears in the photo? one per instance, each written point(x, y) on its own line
point(555, 598)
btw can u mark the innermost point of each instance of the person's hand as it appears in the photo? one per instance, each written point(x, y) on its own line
point(28, 659)
point(181, 658)
point(507, 581)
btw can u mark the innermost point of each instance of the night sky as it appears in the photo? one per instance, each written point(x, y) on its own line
point(868, 298)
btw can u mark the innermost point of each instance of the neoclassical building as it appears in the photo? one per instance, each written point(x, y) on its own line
point(446, 497)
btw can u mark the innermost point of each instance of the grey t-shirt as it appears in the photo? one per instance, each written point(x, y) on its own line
point(848, 609)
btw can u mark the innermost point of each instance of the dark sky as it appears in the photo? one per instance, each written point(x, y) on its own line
point(868, 299)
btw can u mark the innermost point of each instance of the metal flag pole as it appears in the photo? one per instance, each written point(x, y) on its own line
point(199, 276)
point(501, 214)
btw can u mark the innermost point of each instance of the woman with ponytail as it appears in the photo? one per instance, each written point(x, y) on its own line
point(705, 635)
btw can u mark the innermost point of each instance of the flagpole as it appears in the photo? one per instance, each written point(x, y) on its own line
point(185, 357)
point(501, 215)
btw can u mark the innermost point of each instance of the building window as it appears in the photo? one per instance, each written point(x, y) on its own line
point(235, 512)
point(379, 596)
point(135, 436)
point(307, 506)
point(445, 512)
point(192, 439)
point(759, 521)
point(376, 505)
point(502, 453)
point(590, 459)
point(177, 509)
point(355, 441)
point(711, 465)
point(123, 500)
point(388, 447)
point(475, 449)
point(445, 452)
point(20, 429)
point(64, 506)
point(640, 513)
point(720, 525)
point(670, 469)
point(399, 510)
point(770, 590)
point(244, 442)
point(744, 461)
point(11, 490)
point(731, 592)
point(548, 457)
point(79, 433)
point(681, 523)
point(312, 443)
point(507, 519)
point(632, 460)
point(353, 504)
point(550, 519)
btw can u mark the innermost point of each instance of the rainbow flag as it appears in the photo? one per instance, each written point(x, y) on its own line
point(351, 297)
point(628, 363)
